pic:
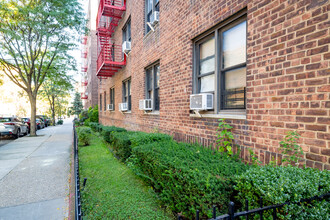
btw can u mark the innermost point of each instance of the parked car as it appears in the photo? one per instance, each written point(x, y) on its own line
point(45, 119)
point(28, 122)
point(13, 126)
point(40, 123)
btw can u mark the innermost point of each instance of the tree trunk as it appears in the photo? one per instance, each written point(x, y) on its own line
point(53, 110)
point(33, 102)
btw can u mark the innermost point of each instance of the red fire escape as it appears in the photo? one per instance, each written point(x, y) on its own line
point(84, 95)
point(110, 56)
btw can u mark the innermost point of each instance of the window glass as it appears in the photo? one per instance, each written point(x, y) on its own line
point(207, 83)
point(101, 102)
point(149, 4)
point(235, 78)
point(207, 66)
point(105, 101)
point(234, 45)
point(207, 49)
point(234, 93)
point(157, 75)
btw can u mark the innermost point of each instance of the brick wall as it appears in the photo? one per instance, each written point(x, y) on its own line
point(288, 73)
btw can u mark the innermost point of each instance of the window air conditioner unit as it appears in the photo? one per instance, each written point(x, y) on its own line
point(110, 107)
point(126, 47)
point(202, 101)
point(123, 107)
point(145, 104)
point(154, 18)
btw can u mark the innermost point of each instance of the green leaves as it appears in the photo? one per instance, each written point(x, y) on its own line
point(285, 184)
point(188, 177)
point(290, 149)
point(225, 137)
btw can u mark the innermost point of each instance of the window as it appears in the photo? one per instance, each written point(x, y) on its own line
point(112, 97)
point(127, 31)
point(220, 64)
point(151, 6)
point(105, 101)
point(152, 85)
point(127, 93)
point(101, 102)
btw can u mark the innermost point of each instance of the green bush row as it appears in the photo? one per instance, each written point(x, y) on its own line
point(187, 177)
point(278, 185)
point(123, 142)
point(84, 135)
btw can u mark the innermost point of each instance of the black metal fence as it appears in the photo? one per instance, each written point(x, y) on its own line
point(78, 211)
point(274, 209)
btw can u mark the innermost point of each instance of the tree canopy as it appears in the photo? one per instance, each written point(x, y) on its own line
point(34, 35)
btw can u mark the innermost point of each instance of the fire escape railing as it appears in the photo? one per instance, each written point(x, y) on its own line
point(110, 56)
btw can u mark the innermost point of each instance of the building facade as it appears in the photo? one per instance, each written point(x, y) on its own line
point(90, 82)
point(265, 64)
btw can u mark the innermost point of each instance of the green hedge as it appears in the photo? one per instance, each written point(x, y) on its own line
point(277, 185)
point(84, 135)
point(187, 177)
point(123, 142)
point(96, 127)
point(107, 130)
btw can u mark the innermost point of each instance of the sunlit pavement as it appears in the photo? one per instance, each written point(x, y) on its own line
point(5, 140)
point(34, 175)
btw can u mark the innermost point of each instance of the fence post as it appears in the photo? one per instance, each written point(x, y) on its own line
point(247, 208)
point(262, 212)
point(274, 214)
point(231, 210)
point(214, 212)
point(197, 214)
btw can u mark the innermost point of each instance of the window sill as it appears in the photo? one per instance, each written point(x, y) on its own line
point(127, 112)
point(226, 115)
point(151, 113)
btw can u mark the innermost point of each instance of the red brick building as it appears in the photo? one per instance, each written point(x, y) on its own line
point(266, 64)
point(90, 82)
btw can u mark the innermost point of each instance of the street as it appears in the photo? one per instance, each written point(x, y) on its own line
point(34, 175)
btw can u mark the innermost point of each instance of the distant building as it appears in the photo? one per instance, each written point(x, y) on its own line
point(89, 56)
point(261, 65)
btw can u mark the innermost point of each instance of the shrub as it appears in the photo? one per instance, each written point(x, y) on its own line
point(123, 143)
point(285, 184)
point(86, 122)
point(60, 122)
point(93, 114)
point(187, 177)
point(94, 126)
point(83, 115)
point(142, 138)
point(107, 130)
point(84, 135)
point(120, 143)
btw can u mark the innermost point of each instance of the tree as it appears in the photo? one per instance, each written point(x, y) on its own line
point(54, 89)
point(77, 105)
point(33, 34)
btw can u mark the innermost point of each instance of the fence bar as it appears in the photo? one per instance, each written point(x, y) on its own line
point(231, 210)
point(262, 211)
point(247, 208)
point(197, 214)
point(214, 212)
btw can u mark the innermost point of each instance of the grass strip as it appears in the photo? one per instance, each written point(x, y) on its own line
point(112, 190)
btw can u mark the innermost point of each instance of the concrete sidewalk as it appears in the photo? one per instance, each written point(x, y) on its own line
point(34, 175)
